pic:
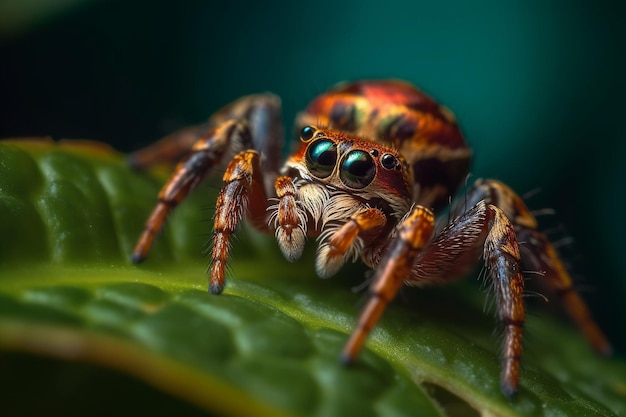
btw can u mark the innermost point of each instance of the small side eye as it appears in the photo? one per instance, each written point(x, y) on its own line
point(307, 133)
point(357, 169)
point(389, 161)
point(321, 157)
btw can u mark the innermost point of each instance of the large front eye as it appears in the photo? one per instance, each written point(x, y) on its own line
point(357, 169)
point(321, 157)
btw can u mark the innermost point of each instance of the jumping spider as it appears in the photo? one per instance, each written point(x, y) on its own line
point(375, 160)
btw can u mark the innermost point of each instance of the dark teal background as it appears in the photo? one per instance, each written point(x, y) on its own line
point(538, 87)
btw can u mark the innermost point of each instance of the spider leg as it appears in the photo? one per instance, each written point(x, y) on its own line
point(252, 122)
point(171, 149)
point(241, 194)
point(484, 230)
point(260, 111)
point(413, 234)
point(501, 255)
point(205, 153)
point(540, 255)
point(452, 253)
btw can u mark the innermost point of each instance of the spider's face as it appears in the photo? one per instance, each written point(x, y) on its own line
point(333, 177)
point(364, 171)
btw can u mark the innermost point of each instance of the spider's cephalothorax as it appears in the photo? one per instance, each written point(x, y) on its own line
point(373, 161)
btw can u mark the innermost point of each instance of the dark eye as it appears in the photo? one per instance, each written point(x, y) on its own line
point(321, 157)
point(389, 161)
point(307, 132)
point(357, 169)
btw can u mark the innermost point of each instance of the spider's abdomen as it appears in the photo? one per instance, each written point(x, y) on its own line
point(397, 114)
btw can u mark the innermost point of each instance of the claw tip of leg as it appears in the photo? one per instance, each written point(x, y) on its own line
point(509, 390)
point(346, 360)
point(606, 350)
point(216, 288)
point(137, 258)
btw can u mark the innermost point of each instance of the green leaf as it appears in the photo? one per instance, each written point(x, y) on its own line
point(150, 338)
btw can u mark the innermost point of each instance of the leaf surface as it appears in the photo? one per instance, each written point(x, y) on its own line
point(70, 215)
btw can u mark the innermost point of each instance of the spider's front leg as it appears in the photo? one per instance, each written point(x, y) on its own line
point(450, 255)
point(413, 233)
point(241, 194)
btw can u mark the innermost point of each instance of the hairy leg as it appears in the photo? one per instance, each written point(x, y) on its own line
point(412, 235)
point(538, 254)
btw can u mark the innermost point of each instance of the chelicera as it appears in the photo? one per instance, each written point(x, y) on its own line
point(374, 162)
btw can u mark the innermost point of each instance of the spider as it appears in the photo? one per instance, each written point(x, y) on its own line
point(374, 161)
